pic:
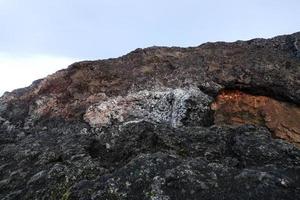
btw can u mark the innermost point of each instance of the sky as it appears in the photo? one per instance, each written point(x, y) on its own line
point(39, 37)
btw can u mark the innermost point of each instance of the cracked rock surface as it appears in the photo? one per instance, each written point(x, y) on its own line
point(176, 107)
point(156, 124)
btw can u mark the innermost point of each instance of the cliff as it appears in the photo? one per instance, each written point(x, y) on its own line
point(217, 121)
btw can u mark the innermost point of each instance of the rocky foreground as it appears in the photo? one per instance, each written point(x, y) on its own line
point(217, 121)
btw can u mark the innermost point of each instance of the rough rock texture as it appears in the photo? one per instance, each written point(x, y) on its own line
point(142, 126)
point(235, 107)
point(175, 107)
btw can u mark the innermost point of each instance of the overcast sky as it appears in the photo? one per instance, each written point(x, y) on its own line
point(38, 37)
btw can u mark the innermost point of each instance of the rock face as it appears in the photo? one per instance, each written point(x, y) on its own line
point(217, 121)
point(176, 107)
point(235, 107)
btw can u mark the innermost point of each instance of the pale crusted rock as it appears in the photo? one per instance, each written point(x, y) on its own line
point(174, 107)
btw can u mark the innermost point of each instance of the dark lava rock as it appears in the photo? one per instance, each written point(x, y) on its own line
point(141, 127)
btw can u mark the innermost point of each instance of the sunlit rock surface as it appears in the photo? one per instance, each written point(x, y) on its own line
point(217, 121)
point(174, 107)
point(237, 108)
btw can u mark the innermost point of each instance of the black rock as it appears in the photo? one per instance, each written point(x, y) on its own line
point(141, 127)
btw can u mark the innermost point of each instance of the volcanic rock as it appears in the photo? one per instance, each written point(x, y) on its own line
point(217, 121)
point(235, 107)
point(175, 107)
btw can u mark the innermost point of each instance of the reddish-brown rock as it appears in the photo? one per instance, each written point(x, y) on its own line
point(265, 66)
point(235, 107)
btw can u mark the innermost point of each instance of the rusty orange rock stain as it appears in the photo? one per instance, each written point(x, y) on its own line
point(234, 107)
